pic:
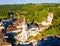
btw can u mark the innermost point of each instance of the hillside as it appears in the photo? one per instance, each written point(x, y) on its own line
point(36, 12)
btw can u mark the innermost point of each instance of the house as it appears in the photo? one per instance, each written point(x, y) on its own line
point(6, 44)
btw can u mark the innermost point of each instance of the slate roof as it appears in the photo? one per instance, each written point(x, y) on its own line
point(32, 25)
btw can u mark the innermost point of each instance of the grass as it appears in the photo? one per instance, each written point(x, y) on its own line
point(38, 36)
point(52, 31)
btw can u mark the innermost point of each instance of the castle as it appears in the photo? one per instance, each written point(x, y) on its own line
point(25, 30)
point(33, 28)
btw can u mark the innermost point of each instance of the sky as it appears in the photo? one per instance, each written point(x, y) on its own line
point(27, 1)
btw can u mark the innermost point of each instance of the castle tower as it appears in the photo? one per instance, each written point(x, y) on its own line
point(50, 17)
point(24, 26)
point(24, 33)
point(49, 20)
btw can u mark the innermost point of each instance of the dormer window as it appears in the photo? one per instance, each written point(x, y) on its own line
point(33, 29)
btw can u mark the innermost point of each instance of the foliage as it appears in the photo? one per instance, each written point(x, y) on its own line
point(37, 12)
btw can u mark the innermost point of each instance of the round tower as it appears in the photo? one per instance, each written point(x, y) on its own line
point(50, 17)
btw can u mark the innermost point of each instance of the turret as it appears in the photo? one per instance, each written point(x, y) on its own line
point(49, 20)
point(50, 17)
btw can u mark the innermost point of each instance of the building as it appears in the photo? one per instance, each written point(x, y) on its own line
point(48, 20)
point(24, 30)
point(27, 31)
point(32, 29)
